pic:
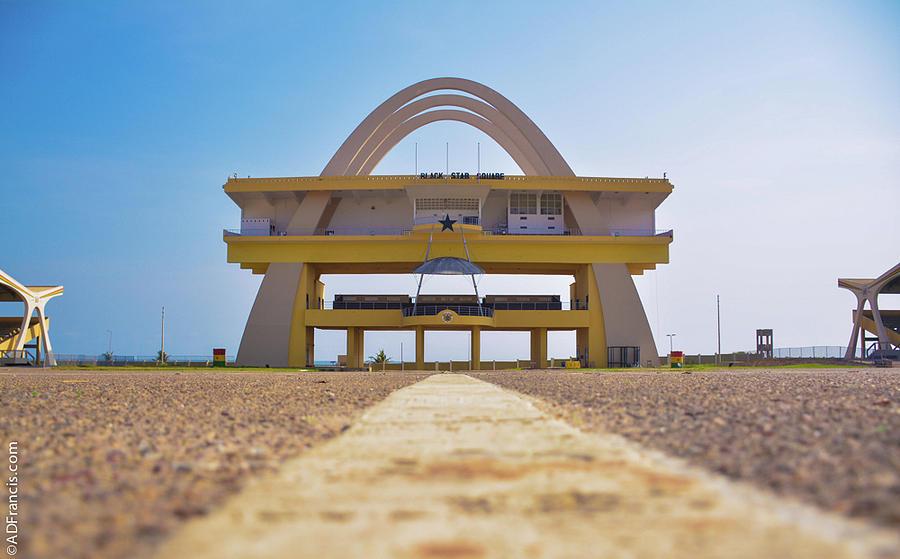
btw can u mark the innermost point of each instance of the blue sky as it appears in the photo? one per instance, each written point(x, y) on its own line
point(778, 123)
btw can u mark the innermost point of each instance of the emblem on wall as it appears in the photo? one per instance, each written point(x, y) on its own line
point(447, 316)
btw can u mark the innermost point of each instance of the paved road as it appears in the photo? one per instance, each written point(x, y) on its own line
point(453, 467)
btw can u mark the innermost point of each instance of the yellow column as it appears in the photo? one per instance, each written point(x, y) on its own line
point(581, 344)
point(476, 348)
point(353, 354)
point(300, 339)
point(420, 347)
point(310, 346)
point(539, 347)
point(596, 335)
point(351, 347)
point(361, 346)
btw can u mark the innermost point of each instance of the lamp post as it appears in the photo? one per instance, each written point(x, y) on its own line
point(162, 337)
point(670, 336)
point(718, 332)
point(110, 341)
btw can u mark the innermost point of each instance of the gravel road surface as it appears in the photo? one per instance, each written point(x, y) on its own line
point(828, 437)
point(112, 462)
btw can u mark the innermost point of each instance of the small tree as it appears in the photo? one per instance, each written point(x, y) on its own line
point(107, 356)
point(380, 357)
point(162, 356)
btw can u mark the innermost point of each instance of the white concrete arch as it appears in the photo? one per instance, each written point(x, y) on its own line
point(360, 137)
point(274, 333)
point(413, 124)
point(408, 111)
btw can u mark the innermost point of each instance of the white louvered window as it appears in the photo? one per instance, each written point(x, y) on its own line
point(551, 203)
point(445, 204)
point(522, 203)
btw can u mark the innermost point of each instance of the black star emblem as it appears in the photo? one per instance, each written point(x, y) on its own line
point(447, 223)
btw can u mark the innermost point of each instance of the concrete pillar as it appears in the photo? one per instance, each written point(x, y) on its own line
point(476, 348)
point(581, 344)
point(267, 335)
point(355, 355)
point(596, 335)
point(299, 352)
point(351, 347)
point(623, 320)
point(420, 348)
point(539, 347)
point(880, 330)
point(26, 324)
point(310, 346)
point(591, 341)
point(857, 318)
point(862, 344)
point(49, 360)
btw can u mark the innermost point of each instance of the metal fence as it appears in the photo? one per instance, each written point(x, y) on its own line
point(497, 306)
point(123, 360)
point(16, 357)
point(462, 310)
point(807, 352)
point(496, 230)
point(810, 352)
point(623, 356)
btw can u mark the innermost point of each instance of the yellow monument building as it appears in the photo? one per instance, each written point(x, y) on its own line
point(598, 230)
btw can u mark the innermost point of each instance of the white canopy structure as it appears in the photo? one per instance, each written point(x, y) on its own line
point(868, 290)
point(14, 336)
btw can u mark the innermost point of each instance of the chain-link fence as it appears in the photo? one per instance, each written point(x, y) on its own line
point(76, 359)
point(810, 352)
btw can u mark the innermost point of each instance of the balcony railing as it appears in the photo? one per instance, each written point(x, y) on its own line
point(461, 310)
point(407, 307)
point(490, 231)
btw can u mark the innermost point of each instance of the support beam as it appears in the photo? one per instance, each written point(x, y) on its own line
point(308, 214)
point(299, 351)
point(476, 348)
point(276, 331)
point(883, 342)
point(862, 343)
point(49, 360)
point(591, 341)
point(623, 314)
point(355, 356)
point(310, 346)
point(857, 318)
point(539, 347)
point(420, 348)
point(26, 323)
point(267, 336)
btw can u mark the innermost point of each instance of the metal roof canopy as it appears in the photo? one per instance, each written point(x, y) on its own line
point(448, 266)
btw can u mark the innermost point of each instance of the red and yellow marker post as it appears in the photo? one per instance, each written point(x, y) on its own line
point(218, 357)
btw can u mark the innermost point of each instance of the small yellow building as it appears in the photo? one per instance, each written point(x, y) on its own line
point(598, 230)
